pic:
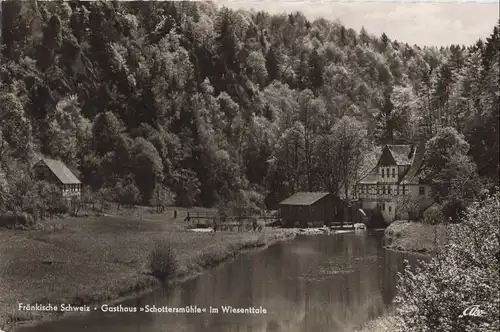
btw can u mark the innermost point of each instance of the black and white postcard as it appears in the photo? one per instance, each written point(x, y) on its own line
point(249, 166)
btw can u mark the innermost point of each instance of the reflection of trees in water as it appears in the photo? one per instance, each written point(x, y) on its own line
point(351, 280)
point(394, 263)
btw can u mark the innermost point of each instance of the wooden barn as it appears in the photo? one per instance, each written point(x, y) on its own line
point(316, 208)
point(56, 172)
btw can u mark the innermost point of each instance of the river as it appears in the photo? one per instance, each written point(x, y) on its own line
point(311, 284)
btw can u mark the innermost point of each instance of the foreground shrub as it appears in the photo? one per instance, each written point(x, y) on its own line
point(163, 261)
point(463, 274)
point(11, 219)
point(433, 215)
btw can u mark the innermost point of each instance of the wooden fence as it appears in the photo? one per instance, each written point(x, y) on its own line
point(211, 219)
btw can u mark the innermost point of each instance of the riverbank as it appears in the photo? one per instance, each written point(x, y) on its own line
point(96, 260)
point(384, 323)
point(413, 236)
point(407, 236)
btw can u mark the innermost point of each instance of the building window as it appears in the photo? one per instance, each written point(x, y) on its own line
point(421, 190)
point(383, 206)
point(378, 190)
point(383, 190)
point(393, 172)
point(389, 190)
point(383, 172)
point(390, 208)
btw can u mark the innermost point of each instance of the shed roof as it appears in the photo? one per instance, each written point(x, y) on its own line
point(370, 178)
point(60, 170)
point(304, 198)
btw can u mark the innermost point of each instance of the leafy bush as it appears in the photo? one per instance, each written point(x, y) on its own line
point(163, 261)
point(127, 194)
point(433, 215)
point(59, 206)
point(464, 273)
point(12, 219)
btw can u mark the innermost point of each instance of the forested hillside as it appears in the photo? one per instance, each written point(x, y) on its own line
point(186, 102)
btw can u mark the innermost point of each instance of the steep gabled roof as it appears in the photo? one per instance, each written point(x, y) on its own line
point(414, 174)
point(304, 198)
point(402, 154)
point(60, 170)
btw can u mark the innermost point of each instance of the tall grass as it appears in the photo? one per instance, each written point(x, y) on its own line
point(163, 261)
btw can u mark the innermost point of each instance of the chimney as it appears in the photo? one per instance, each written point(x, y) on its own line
point(411, 151)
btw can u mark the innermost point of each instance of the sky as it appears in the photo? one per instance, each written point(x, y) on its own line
point(425, 23)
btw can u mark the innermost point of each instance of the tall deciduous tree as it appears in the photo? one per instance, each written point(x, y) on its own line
point(350, 138)
point(451, 172)
point(15, 130)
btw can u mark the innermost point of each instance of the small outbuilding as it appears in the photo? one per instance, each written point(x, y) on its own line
point(316, 208)
point(56, 172)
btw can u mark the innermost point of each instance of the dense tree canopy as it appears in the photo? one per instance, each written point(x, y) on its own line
point(205, 103)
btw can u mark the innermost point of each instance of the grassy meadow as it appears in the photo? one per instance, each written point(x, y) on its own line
point(414, 236)
point(103, 258)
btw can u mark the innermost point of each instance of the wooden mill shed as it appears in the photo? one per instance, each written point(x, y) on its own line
point(56, 172)
point(318, 208)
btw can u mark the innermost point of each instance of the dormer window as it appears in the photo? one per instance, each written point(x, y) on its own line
point(383, 172)
point(393, 172)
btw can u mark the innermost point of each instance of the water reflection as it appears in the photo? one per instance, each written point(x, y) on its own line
point(318, 283)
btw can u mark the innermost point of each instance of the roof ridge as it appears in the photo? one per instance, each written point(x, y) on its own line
point(304, 197)
point(61, 171)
